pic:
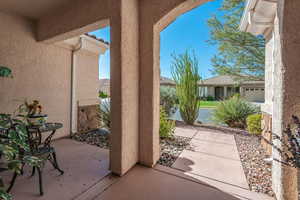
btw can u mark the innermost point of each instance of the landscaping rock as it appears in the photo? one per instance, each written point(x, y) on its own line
point(257, 170)
point(98, 138)
point(171, 148)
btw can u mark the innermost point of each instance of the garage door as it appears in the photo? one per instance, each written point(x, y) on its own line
point(255, 94)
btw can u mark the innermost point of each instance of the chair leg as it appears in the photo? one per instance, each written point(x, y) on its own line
point(12, 182)
point(33, 172)
point(56, 164)
point(40, 181)
point(22, 169)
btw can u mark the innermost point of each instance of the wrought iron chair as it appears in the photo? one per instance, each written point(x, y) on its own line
point(43, 151)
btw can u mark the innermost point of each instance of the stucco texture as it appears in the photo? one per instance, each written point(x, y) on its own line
point(87, 78)
point(40, 71)
point(290, 36)
point(124, 85)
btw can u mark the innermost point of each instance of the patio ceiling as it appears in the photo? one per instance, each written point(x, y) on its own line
point(32, 9)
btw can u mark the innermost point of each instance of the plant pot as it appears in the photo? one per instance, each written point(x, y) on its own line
point(37, 120)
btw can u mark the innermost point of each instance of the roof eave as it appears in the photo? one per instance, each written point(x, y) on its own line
point(251, 19)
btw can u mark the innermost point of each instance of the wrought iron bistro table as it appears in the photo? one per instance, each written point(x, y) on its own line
point(41, 149)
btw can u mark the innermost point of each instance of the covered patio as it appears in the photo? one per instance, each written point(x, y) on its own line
point(30, 31)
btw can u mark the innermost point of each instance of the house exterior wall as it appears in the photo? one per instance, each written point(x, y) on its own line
point(87, 79)
point(87, 87)
point(288, 37)
point(211, 91)
point(267, 107)
point(43, 72)
point(40, 71)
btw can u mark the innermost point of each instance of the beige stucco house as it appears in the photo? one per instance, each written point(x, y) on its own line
point(30, 30)
point(222, 87)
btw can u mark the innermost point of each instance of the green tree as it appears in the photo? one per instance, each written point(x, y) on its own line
point(240, 54)
point(186, 76)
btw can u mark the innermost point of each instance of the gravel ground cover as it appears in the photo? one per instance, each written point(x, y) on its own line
point(257, 171)
point(171, 148)
point(97, 138)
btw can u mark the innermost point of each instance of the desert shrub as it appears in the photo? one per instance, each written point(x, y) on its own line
point(186, 76)
point(254, 124)
point(210, 98)
point(166, 127)
point(168, 99)
point(103, 95)
point(104, 114)
point(234, 112)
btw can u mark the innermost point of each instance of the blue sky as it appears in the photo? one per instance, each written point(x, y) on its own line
point(188, 32)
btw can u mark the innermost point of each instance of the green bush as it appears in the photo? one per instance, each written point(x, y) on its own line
point(234, 112)
point(102, 95)
point(210, 98)
point(186, 76)
point(254, 124)
point(166, 127)
point(168, 99)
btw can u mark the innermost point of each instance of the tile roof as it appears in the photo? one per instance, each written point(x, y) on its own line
point(166, 81)
point(226, 80)
point(99, 39)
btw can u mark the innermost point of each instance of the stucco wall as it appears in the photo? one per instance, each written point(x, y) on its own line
point(40, 71)
point(277, 125)
point(87, 78)
point(269, 70)
point(289, 24)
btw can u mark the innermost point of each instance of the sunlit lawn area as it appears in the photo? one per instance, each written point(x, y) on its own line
point(208, 104)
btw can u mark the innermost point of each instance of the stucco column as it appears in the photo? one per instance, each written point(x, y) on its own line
point(124, 85)
point(149, 94)
point(286, 89)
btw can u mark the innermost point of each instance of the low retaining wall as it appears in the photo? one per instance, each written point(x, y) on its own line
point(88, 118)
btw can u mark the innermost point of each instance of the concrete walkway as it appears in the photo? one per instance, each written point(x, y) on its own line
point(214, 159)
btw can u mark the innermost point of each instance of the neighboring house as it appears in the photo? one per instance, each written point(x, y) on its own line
point(222, 87)
point(164, 81)
point(105, 84)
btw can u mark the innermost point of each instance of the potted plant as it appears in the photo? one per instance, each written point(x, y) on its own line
point(32, 113)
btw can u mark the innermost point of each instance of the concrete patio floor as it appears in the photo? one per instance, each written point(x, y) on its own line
point(84, 166)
